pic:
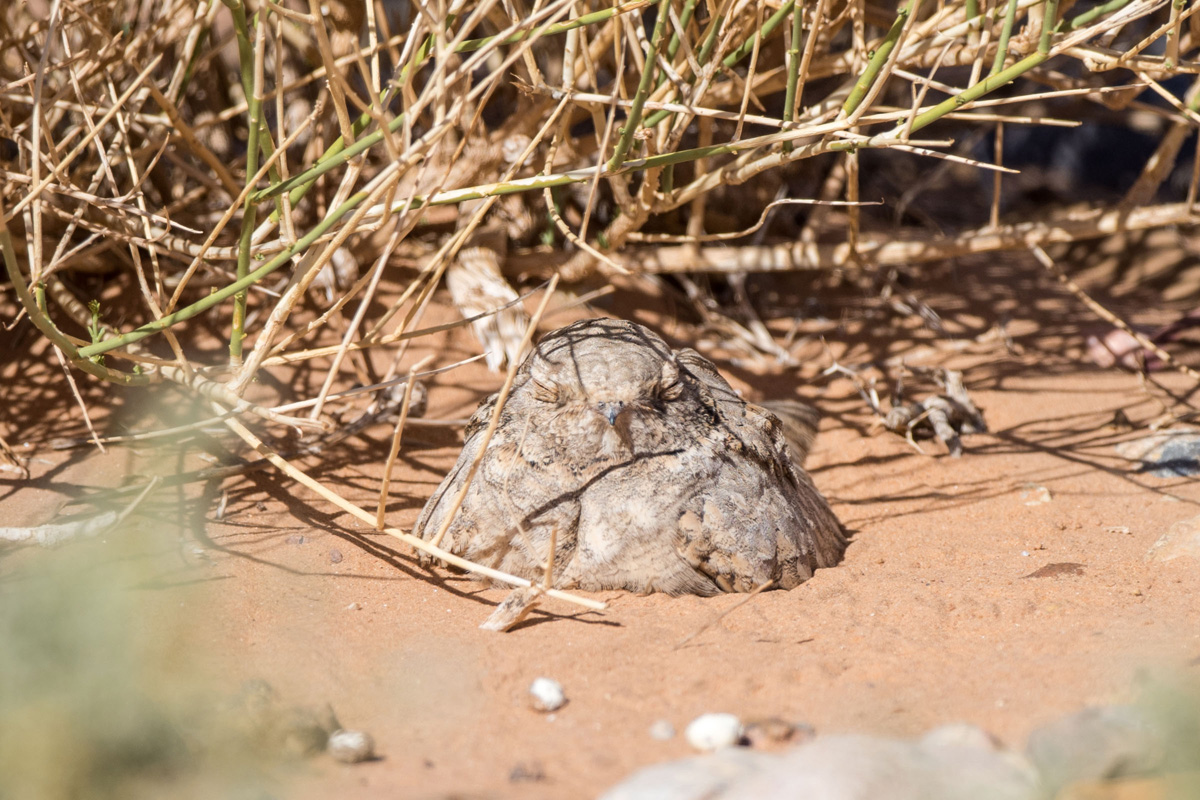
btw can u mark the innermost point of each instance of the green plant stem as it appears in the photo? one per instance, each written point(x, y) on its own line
point(878, 58)
point(634, 120)
point(1049, 21)
point(972, 93)
point(710, 42)
point(1171, 57)
point(768, 29)
point(451, 197)
point(702, 58)
point(1010, 18)
point(237, 331)
point(972, 9)
point(232, 289)
point(1093, 14)
point(746, 48)
point(685, 16)
point(241, 29)
point(337, 154)
point(35, 307)
point(793, 68)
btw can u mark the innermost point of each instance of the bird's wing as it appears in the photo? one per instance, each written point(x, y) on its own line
point(438, 504)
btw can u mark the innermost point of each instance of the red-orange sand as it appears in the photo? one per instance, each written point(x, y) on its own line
point(947, 607)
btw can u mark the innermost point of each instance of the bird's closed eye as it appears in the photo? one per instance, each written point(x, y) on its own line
point(670, 386)
point(545, 391)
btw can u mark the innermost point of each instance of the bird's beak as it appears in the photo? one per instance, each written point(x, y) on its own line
point(610, 411)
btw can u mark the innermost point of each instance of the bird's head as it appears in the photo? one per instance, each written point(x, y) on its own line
point(610, 367)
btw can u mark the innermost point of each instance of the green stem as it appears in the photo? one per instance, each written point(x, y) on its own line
point(249, 216)
point(1010, 17)
point(710, 42)
point(634, 120)
point(702, 58)
point(241, 29)
point(768, 29)
point(685, 16)
point(1172, 54)
point(229, 291)
point(450, 197)
point(972, 93)
point(746, 48)
point(1093, 14)
point(336, 154)
point(35, 308)
point(878, 59)
point(793, 68)
point(1049, 21)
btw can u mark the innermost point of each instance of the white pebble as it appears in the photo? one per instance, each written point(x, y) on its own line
point(714, 731)
point(351, 747)
point(547, 694)
point(662, 730)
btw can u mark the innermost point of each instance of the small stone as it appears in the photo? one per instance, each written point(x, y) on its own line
point(546, 694)
point(772, 731)
point(335, 556)
point(709, 732)
point(296, 539)
point(662, 731)
point(1168, 454)
point(351, 747)
point(1057, 569)
point(354, 607)
point(260, 506)
point(1034, 495)
point(960, 734)
point(1180, 540)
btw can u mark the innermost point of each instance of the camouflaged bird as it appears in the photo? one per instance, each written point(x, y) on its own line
point(643, 467)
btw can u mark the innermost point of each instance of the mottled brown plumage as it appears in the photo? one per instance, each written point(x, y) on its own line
point(645, 468)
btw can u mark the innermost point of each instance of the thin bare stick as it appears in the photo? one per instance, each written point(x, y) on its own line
point(385, 484)
point(1108, 316)
point(750, 596)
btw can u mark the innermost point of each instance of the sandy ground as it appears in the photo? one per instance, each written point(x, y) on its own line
point(957, 600)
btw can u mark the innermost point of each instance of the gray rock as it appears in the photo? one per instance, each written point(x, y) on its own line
point(1181, 539)
point(855, 767)
point(950, 764)
point(1170, 454)
point(1096, 744)
point(696, 778)
point(960, 734)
